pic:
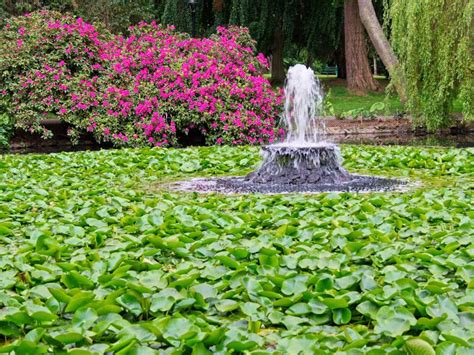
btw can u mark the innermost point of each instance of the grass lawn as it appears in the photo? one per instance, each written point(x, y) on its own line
point(97, 256)
point(343, 101)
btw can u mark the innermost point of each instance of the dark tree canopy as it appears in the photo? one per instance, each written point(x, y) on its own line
point(305, 24)
point(283, 26)
point(117, 15)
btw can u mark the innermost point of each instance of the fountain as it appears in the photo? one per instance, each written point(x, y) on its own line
point(304, 157)
point(305, 161)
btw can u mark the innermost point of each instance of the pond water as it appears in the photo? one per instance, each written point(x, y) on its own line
point(455, 141)
point(430, 140)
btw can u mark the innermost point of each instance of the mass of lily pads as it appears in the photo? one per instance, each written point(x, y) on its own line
point(98, 256)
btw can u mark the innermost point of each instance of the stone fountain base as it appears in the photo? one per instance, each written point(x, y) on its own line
point(289, 164)
point(288, 168)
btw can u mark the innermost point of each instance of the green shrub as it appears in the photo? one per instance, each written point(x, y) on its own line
point(433, 40)
point(46, 57)
point(6, 131)
point(138, 90)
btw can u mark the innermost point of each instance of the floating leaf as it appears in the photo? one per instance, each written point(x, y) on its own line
point(419, 347)
point(227, 306)
point(393, 321)
point(341, 315)
point(294, 285)
point(164, 300)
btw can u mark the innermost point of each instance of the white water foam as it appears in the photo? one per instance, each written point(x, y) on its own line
point(303, 107)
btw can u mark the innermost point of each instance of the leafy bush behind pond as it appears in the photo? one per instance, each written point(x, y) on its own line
point(135, 91)
point(6, 131)
point(44, 57)
point(95, 256)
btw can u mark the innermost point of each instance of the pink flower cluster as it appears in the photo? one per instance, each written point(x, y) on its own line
point(140, 90)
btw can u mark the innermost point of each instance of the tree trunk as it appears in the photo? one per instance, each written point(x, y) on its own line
point(309, 59)
point(382, 46)
point(359, 75)
point(218, 5)
point(11, 9)
point(278, 69)
point(340, 57)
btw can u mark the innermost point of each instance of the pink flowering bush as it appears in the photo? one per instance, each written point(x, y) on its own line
point(44, 56)
point(140, 90)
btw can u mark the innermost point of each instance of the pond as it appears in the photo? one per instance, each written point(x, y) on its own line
point(434, 140)
point(97, 254)
point(429, 140)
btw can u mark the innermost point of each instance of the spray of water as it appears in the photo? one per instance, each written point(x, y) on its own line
point(303, 105)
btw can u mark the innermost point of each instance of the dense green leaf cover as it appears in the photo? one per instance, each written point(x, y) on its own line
point(6, 131)
point(433, 39)
point(96, 256)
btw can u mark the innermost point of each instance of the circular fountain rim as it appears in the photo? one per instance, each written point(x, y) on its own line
point(376, 184)
point(295, 149)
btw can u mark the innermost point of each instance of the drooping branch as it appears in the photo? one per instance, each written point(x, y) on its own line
point(382, 46)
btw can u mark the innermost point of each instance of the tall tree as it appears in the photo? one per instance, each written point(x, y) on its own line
point(176, 13)
point(281, 25)
point(116, 15)
point(339, 54)
point(209, 15)
point(359, 76)
point(319, 29)
point(271, 24)
point(382, 46)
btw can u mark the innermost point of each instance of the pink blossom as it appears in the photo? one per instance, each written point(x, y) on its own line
point(137, 86)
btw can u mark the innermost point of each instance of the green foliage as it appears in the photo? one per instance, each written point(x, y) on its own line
point(376, 109)
point(343, 102)
point(433, 39)
point(117, 15)
point(306, 25)
point(45, 56)
point(138, 90)
point(328, 107)
point(96, 257)
point(6, 131)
